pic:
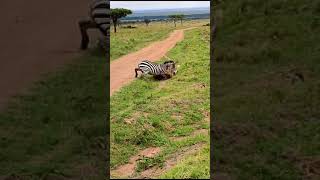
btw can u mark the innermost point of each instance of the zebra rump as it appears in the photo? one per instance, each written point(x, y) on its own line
point(100, 14)
point(99, 18)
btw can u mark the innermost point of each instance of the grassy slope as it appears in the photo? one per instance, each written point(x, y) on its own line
point(195, 166)
point(266, 124)
point(129, 40)
point(154, 106)
point(59, 127)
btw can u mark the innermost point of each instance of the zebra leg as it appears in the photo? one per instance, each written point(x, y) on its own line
point(136, 70)
point(168, 76)
point(104, 45)
point(84, 26)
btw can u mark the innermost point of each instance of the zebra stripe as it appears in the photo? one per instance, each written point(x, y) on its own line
point(99, 17)
point(100, 14)
point(148, 67)
point(99, 4)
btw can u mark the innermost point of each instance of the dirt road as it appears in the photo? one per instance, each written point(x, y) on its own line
point(122, 69)
point(36, 37)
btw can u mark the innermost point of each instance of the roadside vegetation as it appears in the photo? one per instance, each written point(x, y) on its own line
point(195, 166)
point(267, 90)
point(166, 114)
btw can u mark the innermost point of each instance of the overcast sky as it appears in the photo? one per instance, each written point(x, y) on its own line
point(143, 5)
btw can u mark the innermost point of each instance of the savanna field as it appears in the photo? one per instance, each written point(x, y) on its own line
point(171, 117)
point(129, 40)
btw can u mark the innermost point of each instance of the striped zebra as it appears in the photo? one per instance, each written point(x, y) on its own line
point(165, 70)
point(99, 18)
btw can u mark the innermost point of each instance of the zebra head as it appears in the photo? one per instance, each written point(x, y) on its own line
point(171, 67)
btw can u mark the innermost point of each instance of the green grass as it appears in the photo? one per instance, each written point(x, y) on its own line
point(195, 166)
point(266, 119)
point(130, 40)
point(153, 106)
point(146, 163)
point(59, 126)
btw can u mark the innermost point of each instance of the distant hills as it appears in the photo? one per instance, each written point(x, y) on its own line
point(161, 14)
point(166, 12)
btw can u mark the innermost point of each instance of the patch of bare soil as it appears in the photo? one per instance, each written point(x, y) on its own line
point(128, 170)
point(206, 116)
point(309, 166)
point(169, 127)
point(181, 103)
point(132, 119)
point(177, 116)
point(193, 134)
point(169, 163)
point(150, 152)
point(199, 85)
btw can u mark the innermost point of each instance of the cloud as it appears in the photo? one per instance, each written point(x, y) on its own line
point(143, 5)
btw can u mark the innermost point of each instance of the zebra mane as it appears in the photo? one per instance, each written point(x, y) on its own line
point(170, 61)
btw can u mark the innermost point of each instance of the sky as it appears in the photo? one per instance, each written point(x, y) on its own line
point(149, 5)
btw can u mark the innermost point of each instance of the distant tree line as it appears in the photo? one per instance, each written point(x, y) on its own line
point(177, 17)
point(118, 13)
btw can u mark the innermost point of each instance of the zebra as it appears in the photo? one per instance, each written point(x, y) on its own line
point(165, 70)
point(99, 17)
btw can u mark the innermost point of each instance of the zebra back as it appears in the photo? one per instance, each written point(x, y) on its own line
point(100, 14)
point(152, 68)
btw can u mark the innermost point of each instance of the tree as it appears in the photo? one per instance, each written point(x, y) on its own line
point(180, 17)
point(118, 13)
point(174, 17)
point(147, 21)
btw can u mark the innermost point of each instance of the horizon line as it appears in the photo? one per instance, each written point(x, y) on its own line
point(169, 8)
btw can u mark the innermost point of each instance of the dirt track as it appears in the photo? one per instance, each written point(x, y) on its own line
point(36, 37)
point(122, 69)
